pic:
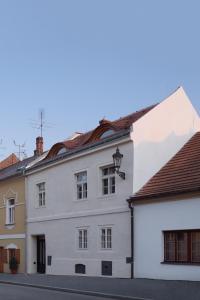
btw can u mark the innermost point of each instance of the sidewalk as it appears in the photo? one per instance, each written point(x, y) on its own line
point(111, 287)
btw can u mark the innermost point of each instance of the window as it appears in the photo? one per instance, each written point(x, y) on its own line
point(106, 238)
point(41, 194)
point(81, 184)
point(10, 213)
point(82, 239)
point(107, 133)
point(108, 180)
point(182, 246)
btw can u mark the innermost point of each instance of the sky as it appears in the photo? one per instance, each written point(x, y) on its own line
point(84, 60)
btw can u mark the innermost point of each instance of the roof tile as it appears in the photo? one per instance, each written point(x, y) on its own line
point(180, 174)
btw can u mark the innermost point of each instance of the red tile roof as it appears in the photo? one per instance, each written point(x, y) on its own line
point(180, 175)
point(95, 134)
point(10, 160)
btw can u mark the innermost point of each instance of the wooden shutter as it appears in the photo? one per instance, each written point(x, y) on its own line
point(17, 255)
point(5, 256)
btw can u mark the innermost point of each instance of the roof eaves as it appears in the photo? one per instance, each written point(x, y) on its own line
point(163, 194)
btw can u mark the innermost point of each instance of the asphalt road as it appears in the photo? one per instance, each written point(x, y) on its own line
point(11, 292)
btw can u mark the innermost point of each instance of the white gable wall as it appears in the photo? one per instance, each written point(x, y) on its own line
point(160, 134)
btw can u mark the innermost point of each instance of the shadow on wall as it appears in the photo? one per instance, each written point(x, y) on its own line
point(151, 156)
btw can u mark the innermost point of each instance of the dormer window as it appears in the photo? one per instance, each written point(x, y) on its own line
point(107, 133)
point(61, 151)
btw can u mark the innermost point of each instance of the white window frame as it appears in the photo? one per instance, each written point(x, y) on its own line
point(82, 238)
point(82, 184)
point(109, 177)
point(41, 190)
point(10, 211)
point(106, 233)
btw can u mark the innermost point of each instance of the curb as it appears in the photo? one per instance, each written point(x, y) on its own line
point(73, 291)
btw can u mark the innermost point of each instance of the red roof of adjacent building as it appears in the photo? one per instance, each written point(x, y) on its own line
point(8, 161)
point(180, 175)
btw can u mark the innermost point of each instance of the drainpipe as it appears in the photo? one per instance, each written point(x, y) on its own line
point(132, 241)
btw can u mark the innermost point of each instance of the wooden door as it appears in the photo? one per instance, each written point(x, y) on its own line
point(1, 259)
point(41, 254)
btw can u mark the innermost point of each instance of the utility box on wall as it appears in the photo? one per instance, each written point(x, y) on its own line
point(106, 268)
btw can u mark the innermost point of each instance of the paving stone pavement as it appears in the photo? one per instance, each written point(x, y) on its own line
point(138, 288)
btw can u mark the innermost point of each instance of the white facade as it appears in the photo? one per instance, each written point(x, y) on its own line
point(153, 140)
point(150, 221)
point(63, 215)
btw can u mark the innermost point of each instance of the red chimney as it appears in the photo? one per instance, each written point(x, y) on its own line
point(39, 146)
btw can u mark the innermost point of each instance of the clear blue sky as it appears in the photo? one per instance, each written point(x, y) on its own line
point(82, 60)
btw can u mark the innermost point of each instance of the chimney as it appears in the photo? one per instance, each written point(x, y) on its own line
point(39, 146)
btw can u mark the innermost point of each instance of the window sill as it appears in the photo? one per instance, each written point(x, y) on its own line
point(81, 200)
point(181, 263)
point(108, 196)
point(86, 249)
point(106, 249)
point(10, 226)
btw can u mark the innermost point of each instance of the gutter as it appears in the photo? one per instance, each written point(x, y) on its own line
point(132, 240)
point(162, 194)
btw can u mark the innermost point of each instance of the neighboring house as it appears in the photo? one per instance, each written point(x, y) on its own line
point(12, 210)
point(167, 221)
point(78, 221)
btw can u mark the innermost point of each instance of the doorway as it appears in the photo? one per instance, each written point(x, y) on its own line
point(41, 254)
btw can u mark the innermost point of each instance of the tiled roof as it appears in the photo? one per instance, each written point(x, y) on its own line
point(93, 135)
point(15, 169)
point(180, 175)
point(8, 161)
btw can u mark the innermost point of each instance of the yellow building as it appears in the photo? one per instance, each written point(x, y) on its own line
point(13, 208)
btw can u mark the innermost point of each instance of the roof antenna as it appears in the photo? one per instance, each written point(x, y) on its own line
point(21, 150)
point(40, 124)
point(1, 147)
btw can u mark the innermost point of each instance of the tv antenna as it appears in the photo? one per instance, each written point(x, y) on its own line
point(21, 150)
point(40, 124)
point(1, 147)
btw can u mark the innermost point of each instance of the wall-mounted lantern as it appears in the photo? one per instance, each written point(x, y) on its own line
point(117, 158)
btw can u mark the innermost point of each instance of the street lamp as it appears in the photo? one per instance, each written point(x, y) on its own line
point(117, 158)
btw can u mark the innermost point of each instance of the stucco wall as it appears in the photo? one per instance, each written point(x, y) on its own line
point(160, 134)
point(13, 188)
point(62, 244)
point(64, 213)
point(150, 220)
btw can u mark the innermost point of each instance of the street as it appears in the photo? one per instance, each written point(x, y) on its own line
point(13, 292)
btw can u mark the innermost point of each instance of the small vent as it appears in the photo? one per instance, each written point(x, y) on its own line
point(80, 269)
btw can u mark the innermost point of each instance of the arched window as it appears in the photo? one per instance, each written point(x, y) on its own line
point(107, 133)
point(61, 151)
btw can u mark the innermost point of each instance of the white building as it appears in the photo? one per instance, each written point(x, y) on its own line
point(166, 219)
point(78, 220)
